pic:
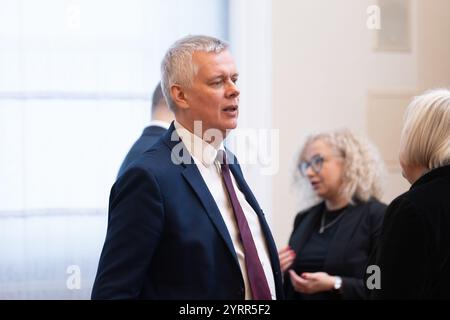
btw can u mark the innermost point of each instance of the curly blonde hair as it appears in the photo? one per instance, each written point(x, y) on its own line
point(363, 167)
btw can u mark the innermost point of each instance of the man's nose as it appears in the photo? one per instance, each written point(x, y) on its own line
point(232, 90)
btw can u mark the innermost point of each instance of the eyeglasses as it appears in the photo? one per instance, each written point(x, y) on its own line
point(316, 164)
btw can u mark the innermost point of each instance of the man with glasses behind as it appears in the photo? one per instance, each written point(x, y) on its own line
point(331, 241)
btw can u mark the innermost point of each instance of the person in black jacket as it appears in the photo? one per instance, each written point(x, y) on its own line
point(161, 119)
point(331, 241)
point(413, 253)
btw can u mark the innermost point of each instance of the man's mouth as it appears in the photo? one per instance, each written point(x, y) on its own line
point(230, 108)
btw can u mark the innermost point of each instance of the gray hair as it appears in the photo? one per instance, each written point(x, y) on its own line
point(177, 66)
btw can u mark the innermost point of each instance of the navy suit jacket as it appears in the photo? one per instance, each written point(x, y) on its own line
point(166, 238)
point(149, 136)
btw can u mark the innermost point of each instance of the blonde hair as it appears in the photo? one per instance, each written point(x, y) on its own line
point(363, 168)
point(425, 137)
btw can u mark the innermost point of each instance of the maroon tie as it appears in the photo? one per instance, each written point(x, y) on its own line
point(256, 277)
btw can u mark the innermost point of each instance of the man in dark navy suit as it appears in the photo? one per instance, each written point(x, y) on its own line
point(183, 222)
point(161, 119)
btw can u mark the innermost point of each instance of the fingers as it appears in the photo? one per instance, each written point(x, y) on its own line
point(299, 284)
point(314, 282)
point(285, 249)
point(308, 276)
point(286, 256)
point(286, 263)
point(296, 278)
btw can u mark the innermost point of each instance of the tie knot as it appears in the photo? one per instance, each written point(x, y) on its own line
point(221, 157)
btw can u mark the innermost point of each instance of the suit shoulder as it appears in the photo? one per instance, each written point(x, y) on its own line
point(376, 208)
point(402, 208)
point(155, 160)
point(426, 205)
point(429, 195)
point(306, 212)
point(373, 212)
point(403, 216)
point(133, 176)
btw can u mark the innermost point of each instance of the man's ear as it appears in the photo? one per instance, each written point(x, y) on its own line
point(179, 96)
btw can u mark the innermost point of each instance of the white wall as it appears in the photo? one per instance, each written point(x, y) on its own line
point(324, 66)
point(251, 43)
point(76, 79)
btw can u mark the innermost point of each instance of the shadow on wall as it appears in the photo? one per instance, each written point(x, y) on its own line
point(50, 254)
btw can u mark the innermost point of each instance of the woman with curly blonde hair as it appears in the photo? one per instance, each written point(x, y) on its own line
point(331, 241)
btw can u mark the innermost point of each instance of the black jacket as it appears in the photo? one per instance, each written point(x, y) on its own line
point(350, 248)
point(149, 136)
point(414, 245)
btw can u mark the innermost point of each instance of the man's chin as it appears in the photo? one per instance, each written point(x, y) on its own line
point(232, 124)
point(229, 124)
point(230, 127)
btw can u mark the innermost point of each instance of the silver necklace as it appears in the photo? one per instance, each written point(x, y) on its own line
point(324, 226)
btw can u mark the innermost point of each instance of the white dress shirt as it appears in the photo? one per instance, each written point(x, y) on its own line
point(204, 156)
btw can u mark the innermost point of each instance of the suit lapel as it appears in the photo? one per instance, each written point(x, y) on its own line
point(181, 155)
point(306, 228)
point(194, 178)
point(245, 189)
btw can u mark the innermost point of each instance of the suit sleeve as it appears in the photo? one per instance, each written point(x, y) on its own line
point(352, 287)
point(402, 253)
point(136, 216)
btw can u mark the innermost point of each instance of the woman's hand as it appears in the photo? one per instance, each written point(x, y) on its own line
point(286, 256)
point(309, 283)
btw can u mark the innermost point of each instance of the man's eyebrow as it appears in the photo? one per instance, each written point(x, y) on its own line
point(222, 76)
point(216, 76)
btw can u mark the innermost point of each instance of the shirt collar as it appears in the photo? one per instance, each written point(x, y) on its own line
point(198, 148)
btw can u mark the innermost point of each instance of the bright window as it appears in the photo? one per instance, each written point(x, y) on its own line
point(76, 79)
